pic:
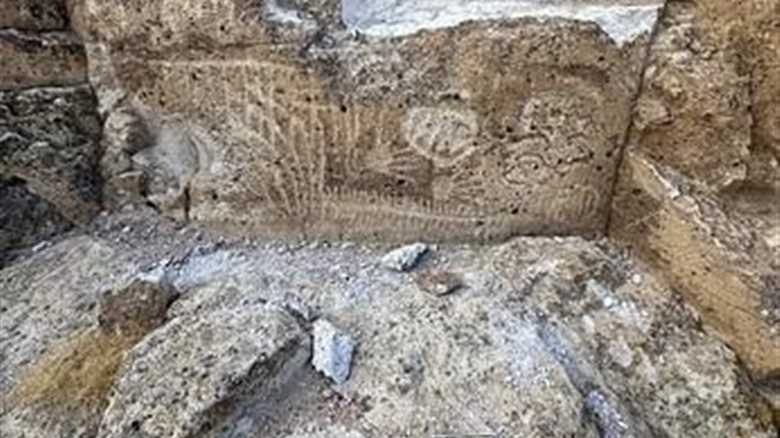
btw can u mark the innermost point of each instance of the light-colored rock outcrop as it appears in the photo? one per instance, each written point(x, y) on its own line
point(547, 336)
point(698, 196)
point(482, 121)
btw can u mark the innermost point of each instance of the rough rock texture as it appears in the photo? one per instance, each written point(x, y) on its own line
point(45, 302)
point(185, 378)
point(724, 263)
point(49, 129)
point(36, 15)
point(699, 191)
point(25, 218)
point(332, 351)
point(31, 59)
point(49, 139)
point(276, 118)
point(548, 337)
point(140, 305)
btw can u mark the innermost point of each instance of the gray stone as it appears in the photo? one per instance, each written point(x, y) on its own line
point(183, 379)
point(551, 338)
point(406, 258)
point(333, 350)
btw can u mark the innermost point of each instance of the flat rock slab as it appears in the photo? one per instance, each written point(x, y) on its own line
point(328, 121)
point(49, 138)
point(549, 337)
point(184, 378)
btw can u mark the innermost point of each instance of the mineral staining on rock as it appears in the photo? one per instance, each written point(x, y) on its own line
point(333, 350)
point(459, 131)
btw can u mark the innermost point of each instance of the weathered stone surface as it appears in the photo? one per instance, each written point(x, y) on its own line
point(333, 350)
point(183, 379)
point(49, 138)
point(29, 59)
point(25, 218)
point(316, 128)
point(549, 337)
point(33, 14)
point(46, 308)
point(139, 306)
point(717, 258)
point(708, 107)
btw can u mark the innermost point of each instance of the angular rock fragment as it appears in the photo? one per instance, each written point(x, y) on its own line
point(404, 259)
point(183, 379)
point(138, 307)
point(333, 350)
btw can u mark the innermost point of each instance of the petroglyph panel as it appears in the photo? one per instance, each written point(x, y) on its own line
point(479, 131)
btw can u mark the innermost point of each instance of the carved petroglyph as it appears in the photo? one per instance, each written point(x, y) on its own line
point(443, 135)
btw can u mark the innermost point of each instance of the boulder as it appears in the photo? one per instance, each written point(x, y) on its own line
point(184, 379)
point(330, 120)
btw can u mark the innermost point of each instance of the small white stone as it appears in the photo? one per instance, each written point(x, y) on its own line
point(637, 279)
point(333, 350)
point(406, 258)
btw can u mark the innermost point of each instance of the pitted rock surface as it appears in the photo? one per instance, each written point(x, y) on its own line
point(282, 119)
point(547, 336)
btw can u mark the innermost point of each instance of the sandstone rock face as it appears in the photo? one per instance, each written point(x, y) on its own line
point(332, 120)
point(721, 261)
point(698, 194)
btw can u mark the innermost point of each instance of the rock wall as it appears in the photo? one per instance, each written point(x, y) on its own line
point(49, 127)
point(368, 120)
point(698, 194)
